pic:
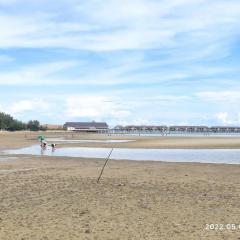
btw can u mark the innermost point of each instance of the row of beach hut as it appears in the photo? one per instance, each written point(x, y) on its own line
point(177, 129)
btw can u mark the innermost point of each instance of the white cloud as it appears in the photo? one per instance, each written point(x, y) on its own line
point(220, 96)
point(121, 109)
point(94, 107)
point(119, 35)
point(39, 74)
point(119, 25)
point(36, 105)
point(225, 118)
point(122, 70)
point(222, 116)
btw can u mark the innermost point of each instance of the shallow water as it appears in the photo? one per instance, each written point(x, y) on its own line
point(65, 141)
point(228, 156)
point(3, 159)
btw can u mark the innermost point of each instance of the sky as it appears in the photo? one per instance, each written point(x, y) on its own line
point(121, 61)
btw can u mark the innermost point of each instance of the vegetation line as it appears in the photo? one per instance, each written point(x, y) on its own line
point(8, 123)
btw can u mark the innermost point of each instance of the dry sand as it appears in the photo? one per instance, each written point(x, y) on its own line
point(58, 198)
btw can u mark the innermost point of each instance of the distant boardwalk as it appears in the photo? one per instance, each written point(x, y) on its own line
point(164, 130)
point(102, 127)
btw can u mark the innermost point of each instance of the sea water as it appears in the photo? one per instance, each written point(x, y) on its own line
point(228, 156)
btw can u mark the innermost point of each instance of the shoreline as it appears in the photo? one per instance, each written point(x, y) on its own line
point(45, 197)
point(202, 156)
point(22, 139)
point(23, 157)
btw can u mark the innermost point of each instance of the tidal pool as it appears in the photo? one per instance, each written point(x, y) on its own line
point(228, 156)
point(4, 159)
point(65, 141)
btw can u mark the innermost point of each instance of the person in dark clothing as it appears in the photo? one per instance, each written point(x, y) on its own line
point(53, 145)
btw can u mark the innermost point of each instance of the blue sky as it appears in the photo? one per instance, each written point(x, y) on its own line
point(124, 62)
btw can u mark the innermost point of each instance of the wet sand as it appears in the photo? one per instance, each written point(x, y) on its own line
point(21, 139)
point(58, 198)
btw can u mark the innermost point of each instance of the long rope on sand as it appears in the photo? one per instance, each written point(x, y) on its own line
point(104, 165)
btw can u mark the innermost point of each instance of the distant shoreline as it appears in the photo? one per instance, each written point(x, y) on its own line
point(24, 139)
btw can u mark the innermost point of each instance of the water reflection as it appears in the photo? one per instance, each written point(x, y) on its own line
point(72, 141)
point(42, 151)
point(230, 156)
point(3, 159)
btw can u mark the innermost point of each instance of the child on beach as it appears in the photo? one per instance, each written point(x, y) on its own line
point(53, 145)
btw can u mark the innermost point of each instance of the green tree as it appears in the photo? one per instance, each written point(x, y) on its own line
point(33, 125)
point(8, 123)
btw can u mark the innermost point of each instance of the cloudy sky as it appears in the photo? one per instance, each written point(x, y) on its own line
point(121, 61)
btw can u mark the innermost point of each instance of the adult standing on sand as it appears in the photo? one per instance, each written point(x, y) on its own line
point(43, 144)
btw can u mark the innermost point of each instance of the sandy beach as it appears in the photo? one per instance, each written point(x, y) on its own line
point(21, 139)
point(59, 198)
point(148, 89)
